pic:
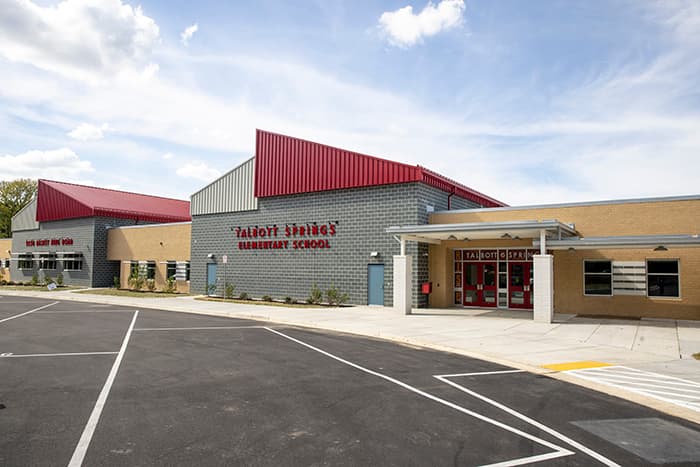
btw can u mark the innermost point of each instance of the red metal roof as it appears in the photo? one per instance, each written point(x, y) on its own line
point(285, 165)
point(59, 200)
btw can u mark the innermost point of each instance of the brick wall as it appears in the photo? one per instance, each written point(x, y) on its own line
point(362, 215)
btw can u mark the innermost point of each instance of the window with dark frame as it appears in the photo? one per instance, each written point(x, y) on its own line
point(171, 269)
point(72, 261)
point(150, 270)
point(25, 261)
point(134, 269)
point(47, 261)
point(187, 270)
point(597, 277)
point(663, 278)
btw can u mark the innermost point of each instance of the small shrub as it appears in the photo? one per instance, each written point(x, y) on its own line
point(171, 285)
point(266, 298)
point(35, 279)
point(59, 280)
point(151, 285)
point(315, 296)
point(228, 290)
point(116, 282)
point(335, 297)
point(289, 300)
point(243, 296)
point(211, 289)
point(47, 279)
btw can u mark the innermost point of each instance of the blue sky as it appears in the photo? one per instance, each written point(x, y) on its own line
point(528, 102)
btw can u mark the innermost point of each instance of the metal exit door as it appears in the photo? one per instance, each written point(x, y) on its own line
point(211, 278)
point(375, 284)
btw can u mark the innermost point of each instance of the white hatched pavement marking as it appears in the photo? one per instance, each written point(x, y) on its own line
point(682, 392)
point(201, 328)
point(27, 312)
point(558, 451)
point(599, 457)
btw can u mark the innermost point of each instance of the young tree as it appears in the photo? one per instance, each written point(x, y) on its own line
point(14, 195)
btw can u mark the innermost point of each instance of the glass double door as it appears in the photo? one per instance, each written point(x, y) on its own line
point(520, 285)
point(480, 284)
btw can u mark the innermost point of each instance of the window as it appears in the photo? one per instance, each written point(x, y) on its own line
point(25, 261)
point(134, 269)
point(73, 261)
point(150, 270)
point(47, 261)
point(662, 278)
point(171, 269)
point(597, 277)
point(187, 270)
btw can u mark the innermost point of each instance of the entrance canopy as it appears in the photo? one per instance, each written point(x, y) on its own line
point(656, 242)
point(435, 233)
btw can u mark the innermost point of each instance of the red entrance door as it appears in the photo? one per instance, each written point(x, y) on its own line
point(480, 284)
point(520, 285)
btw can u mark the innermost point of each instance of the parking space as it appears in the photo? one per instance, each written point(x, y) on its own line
point(91, 384)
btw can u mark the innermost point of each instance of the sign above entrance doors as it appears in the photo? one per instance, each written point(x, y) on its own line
point(495, 255)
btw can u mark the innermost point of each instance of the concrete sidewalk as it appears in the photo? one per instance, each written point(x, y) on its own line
point(508, 337)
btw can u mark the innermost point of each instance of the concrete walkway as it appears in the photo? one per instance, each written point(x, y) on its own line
point(664, 347)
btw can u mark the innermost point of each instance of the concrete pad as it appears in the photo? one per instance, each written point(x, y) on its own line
point(658, 337)
point(615, 334)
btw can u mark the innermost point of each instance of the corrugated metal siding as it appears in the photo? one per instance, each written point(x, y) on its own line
point(25, 219)
point(287, 165)
point(231, 193)
point(53, 205)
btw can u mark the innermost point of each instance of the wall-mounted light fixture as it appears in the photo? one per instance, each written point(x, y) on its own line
point(660, 248)
point(210, 256)
point(374, 254)
point(452, 237)
point(506, 235)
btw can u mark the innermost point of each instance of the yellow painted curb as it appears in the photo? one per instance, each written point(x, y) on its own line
point(575, 365)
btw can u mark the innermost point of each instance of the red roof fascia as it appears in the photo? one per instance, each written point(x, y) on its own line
point(285, 165)
point(59, 200)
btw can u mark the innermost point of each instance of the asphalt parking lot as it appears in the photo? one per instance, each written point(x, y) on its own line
point(88, 384)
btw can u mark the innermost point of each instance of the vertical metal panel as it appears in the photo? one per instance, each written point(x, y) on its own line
point(25, 219)
point(233, 192)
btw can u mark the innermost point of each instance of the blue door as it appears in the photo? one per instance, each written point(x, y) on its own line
point(211, 278)
point(375, 284)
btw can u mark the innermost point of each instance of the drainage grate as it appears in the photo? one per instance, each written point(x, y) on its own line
point(653, 439)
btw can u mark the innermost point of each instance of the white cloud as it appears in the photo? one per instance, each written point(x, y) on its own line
point(87, 132)
point(199, 171)
point(403, 28)
point(57, 164)
point(168, 155)
point(85, 39)
point(187, 34)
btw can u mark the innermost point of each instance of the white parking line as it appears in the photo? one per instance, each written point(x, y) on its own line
point(27, 312)
point(86, 437)
point(66, 354)
point(558, 450)
point(681, 392)
point(201, 328)
point(599, 457)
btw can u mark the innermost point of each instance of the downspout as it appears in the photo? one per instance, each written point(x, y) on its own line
point(449, 203)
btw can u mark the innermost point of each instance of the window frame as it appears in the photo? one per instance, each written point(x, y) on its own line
point(610, 261)
point(150, 270)
point(49, 259)
point(170, 266)
point(23, 259)
point(72, 259)
point(676, 274)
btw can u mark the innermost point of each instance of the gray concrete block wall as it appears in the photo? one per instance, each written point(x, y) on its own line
point(80, 230)
point(362, 215)
point(89, 236)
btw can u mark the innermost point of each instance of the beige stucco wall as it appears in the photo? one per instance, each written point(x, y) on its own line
point(639, 218)
point(159, 243)
point(5, 253)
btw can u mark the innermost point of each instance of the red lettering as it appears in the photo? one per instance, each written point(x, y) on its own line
point(324, 229)
point(332, 226)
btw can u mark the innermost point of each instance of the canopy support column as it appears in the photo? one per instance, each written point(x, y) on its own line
point(403, 272)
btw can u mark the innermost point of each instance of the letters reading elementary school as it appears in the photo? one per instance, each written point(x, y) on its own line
point(261, 236)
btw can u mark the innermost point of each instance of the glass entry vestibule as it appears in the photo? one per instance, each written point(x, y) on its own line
point(493, 278)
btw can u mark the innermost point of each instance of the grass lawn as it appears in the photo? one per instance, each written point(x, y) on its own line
point(131, 293)
point(260, 302)
point(40, 288)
